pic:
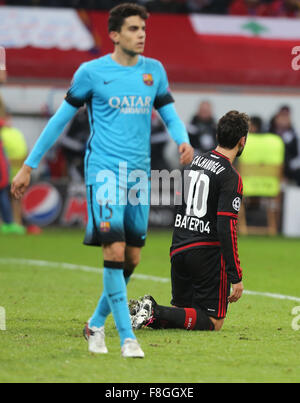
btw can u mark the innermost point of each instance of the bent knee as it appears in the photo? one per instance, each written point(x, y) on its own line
point(114, 252)
point(132, 263)
point(132, 258)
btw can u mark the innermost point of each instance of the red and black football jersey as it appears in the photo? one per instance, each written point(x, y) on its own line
point(212, 194)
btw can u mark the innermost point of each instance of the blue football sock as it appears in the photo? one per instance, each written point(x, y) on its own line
point(103, 310)
point(116, 293)
point(101, 313)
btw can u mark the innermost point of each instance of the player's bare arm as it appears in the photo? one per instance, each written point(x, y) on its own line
point(186, 154)
point(237, 292)
point(21, 182)
point(46, 140)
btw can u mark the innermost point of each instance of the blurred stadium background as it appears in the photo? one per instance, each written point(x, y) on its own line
point(219, 55)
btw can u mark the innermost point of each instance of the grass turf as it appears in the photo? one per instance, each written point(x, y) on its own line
point(47, 307)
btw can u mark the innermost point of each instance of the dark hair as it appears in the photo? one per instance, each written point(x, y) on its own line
point(231, 128)
point(257, 122)
point(119, 13)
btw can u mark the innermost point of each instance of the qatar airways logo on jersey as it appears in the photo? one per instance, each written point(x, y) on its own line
point(132, 104)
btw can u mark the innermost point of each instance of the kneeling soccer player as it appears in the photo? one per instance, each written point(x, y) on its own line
point(204, 253)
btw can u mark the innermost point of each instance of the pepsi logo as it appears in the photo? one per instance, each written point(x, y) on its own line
point(41, 204)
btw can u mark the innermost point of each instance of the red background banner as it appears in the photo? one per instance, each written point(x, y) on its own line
point(187, 56)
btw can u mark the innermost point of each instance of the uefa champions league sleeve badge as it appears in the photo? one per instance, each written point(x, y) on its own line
point(236, 204)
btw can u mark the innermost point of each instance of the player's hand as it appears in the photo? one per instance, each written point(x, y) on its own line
point(237, 291)
point(21, 182)
point(186, 154)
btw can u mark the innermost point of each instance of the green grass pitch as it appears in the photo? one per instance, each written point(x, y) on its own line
point(47, 306)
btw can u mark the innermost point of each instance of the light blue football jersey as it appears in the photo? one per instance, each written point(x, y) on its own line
point(120, 101)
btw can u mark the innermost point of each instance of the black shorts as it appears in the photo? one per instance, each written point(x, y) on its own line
point(199, 280)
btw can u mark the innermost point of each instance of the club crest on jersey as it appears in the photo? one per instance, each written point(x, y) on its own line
point(148, 79)
point(105, 226)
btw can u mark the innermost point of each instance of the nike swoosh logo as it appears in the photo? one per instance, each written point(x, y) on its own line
point(108, 82)
point(112, 295)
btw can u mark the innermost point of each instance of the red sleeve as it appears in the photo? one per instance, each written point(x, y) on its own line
point(230, 200)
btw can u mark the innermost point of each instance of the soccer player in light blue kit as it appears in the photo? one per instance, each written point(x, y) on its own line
point(120, 90)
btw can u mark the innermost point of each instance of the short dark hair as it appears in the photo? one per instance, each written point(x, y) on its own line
point(257, 122)
point(231, 128)
point(119, 13)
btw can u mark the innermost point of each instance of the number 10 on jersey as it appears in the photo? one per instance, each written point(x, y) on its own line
point(198, 194)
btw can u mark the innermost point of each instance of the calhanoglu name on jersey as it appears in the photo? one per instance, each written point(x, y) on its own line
point(208, 164)
point(192, 224)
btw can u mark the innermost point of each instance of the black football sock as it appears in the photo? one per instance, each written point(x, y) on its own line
point(180, 318)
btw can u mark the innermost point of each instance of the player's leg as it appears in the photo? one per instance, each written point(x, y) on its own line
point(116, 293)
point(211, 287)
point(150, 314)
point(185, 314)
point(132, 260)
point(105, 228)
point(136, 227)
point(115, 287)
point(181, 315)
point(136, 221)
point(5, 207)
point(208, 307)
point(192, 286)
point(94, 328)
point(103, 309)
point(181, 280)
point(6, 212)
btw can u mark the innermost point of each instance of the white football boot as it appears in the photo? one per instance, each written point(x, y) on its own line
point(132, 349)
point(96, 339)
point(143, 313)
point(134, 306)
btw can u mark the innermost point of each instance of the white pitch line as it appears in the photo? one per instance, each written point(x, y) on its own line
point(88, 269)
point(271, 295)
point(74, 267)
